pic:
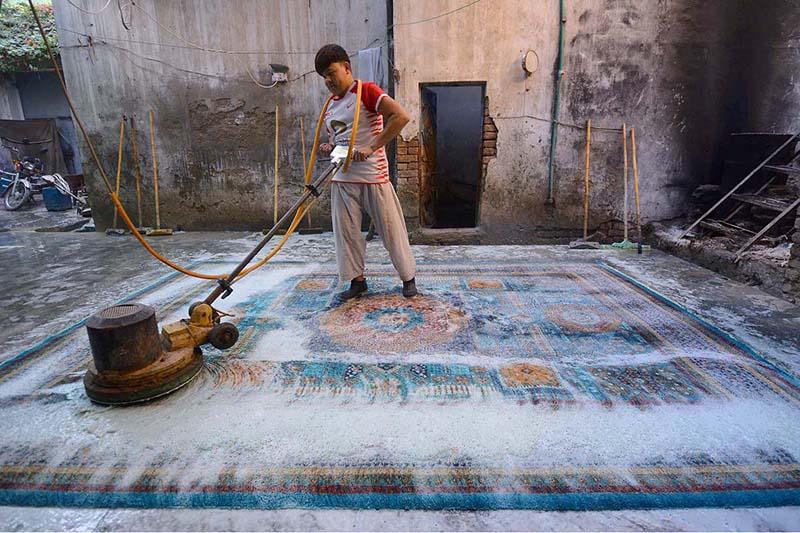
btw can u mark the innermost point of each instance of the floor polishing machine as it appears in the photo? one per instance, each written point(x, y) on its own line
point(133, 363)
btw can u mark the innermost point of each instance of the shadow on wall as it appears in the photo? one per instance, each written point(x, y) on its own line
point(715, 67)
point(747, 80)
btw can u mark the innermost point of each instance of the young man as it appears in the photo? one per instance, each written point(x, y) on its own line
point(365, 186)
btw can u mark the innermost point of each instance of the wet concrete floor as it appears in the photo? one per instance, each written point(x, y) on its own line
point(53, 280)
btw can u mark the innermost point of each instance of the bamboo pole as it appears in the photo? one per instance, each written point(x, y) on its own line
point(586, 182)
point(625, 181)
point(155, 169)
point(636, 186)
point(136, 170)
point(119, 165)
point(158, 231)
point(305, 164)
point(275, 193)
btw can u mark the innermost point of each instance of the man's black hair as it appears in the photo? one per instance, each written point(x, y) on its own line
point(330, 53)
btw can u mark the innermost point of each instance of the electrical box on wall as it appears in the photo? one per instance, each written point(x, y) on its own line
point(280, 73)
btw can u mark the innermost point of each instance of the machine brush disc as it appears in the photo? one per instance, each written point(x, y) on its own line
point(129, 364)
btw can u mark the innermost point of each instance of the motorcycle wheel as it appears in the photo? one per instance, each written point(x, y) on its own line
point(17, 195)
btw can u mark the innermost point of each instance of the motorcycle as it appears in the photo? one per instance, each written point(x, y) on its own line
point(18, 187)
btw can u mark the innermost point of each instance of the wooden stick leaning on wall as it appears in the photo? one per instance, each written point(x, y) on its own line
point(275, 193)
point(625, 181)
point(636, 190)
point(158, 231)
point(136, 171)
point(585, 244)
point(586, 181)
point(114, 230)
point(305, 163)
point(625, 244)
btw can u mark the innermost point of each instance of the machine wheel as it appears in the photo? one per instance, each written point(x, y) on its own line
point(223, 335)
point(16, 196)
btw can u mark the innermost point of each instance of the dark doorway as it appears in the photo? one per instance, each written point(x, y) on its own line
point(451, 127)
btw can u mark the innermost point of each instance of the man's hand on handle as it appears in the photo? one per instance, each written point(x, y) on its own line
point(359, 154)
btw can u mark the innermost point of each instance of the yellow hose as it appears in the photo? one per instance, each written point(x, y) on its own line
point(301, 212)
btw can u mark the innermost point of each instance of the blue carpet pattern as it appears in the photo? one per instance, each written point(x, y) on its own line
point(549, 338)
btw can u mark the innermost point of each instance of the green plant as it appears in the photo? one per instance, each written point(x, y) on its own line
point(21, 45)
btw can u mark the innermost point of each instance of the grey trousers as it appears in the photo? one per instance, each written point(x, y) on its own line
point(381, 204)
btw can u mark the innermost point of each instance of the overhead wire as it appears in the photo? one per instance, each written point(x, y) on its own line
point(550, 121)
point(166, 45)
point(195, 46)
point(88, 12)
point(128, 51)
point(420, 21)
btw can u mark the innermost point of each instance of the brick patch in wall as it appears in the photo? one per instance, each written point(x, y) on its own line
point(489, 144)
point(407, 158)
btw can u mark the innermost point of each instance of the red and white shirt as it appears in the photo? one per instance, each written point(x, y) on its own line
point(339, 124)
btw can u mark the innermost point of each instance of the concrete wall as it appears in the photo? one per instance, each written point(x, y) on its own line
point(10, 104)
point(41, 97)
point(214, 126)
point(684, 73)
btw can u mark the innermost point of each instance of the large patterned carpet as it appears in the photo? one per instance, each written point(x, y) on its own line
point(560, 385)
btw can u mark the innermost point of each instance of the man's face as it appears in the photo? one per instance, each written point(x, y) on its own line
point(338, 77)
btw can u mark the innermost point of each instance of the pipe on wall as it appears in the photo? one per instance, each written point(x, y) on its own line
point(556, 103)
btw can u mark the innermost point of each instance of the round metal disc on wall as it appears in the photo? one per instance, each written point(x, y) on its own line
point(129, 364)
point(530, 62)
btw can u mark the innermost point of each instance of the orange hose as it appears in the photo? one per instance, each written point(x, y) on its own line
point(301, 212)
point(355, 127)
point(150, 249)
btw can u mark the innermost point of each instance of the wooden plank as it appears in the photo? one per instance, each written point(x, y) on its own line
point(783, 169)
point(758, 235)
point(726, 228)
point(741, 206)
point(736, 188)
point(765, 202)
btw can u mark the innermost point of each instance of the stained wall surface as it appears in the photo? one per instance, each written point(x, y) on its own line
point(684, 73)
point(197, 66)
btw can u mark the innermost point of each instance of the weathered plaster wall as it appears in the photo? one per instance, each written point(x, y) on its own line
point(10, 104)
point(214, 126)
point(684, 73)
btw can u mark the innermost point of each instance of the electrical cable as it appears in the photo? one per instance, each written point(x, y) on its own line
point(127, 25)
point(195, 46)
point(434, 17)
point(79, 8)
point(165, 45)
point(550, 121)
point(167, 64)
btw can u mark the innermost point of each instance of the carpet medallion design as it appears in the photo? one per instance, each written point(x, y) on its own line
point(563, 385)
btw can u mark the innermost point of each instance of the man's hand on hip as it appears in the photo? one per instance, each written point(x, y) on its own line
point(361, 154)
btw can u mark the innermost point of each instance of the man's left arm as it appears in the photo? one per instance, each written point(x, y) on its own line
point(394, 119)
